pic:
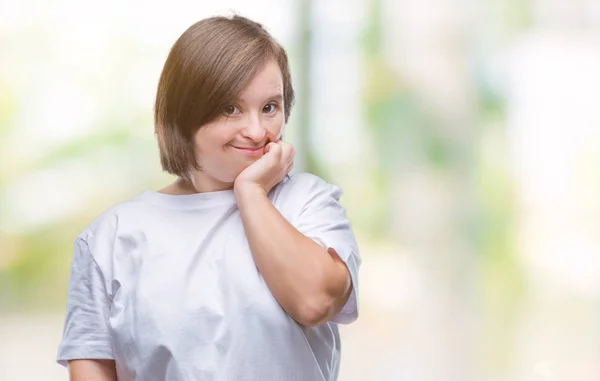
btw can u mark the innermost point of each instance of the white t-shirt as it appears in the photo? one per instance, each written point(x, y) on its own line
point(167, 287)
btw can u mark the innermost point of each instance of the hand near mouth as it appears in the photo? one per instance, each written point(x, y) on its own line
point(262, 175)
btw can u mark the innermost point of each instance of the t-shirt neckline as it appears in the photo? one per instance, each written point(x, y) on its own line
point(190, 201)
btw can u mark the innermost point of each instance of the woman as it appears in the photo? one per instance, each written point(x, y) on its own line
point(236, 271)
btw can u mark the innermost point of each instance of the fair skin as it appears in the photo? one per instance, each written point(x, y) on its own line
point(92, 370)
point(242, 151)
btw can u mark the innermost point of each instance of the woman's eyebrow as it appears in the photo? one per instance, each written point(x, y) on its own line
point(275, 97)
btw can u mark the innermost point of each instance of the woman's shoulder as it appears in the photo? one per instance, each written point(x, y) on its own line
point(306, 185)
point(298, 190)
point(303, 181)
point(107, 223)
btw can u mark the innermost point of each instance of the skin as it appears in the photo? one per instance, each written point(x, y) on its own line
point(92, 370)
point(242, 151)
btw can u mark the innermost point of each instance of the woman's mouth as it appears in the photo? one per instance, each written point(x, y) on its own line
point(251, 151)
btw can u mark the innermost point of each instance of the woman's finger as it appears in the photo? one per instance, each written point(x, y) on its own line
point(268, 147)
point(275, 151)
point(288, 152)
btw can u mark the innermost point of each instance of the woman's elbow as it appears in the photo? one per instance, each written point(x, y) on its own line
point(314, 314)
point(327, 300)
point(321, 308)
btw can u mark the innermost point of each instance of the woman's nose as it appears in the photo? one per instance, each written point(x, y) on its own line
point(253, 129)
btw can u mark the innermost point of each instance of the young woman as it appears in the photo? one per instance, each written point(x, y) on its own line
point(236, 271)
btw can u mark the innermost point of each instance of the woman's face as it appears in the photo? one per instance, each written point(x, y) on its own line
point(229, 144)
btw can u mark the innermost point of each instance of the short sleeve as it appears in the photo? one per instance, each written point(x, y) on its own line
point(324, 220)
point(86, 334)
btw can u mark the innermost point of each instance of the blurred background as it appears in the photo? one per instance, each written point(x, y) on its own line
point(466, 135)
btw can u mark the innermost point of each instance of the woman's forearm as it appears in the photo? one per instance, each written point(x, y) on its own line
point(310, 283)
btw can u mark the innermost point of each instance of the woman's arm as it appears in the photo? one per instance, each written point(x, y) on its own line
point(310, 283)
point(92, 370)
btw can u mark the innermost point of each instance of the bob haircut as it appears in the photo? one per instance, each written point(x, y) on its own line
point(207, 68)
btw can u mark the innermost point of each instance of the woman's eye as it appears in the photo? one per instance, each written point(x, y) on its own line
point(231, 110)
point(270, 108)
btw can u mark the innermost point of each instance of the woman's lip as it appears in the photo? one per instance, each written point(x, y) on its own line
point(251, 151)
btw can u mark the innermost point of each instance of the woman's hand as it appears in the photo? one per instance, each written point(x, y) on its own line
point(269, 170)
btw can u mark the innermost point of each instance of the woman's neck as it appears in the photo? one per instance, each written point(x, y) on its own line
point(198, 184)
